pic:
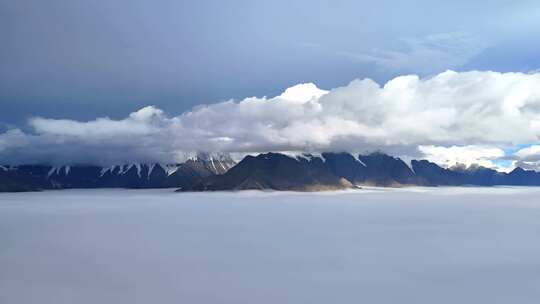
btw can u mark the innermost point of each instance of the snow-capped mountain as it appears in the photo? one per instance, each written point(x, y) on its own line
point(278, 171)
point(134, 175)
point(306, 172)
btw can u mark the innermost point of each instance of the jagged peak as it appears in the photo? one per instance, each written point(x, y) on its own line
point(410, 165)
point(182, 157)
point(138, 166)
point(519, 170)
point(356, 156)
point(309, 156)
point(124, 168)
point(460, 167)
point(379, 153)
point(58, 170)
point(312, 156)
point(151, 169)
point(170, 169)
point(216, 161)
point(214, 156)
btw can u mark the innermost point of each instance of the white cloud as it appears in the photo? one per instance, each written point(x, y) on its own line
point(464, 155)
point(481, 109)
point(529, 153)
point(302, 93)
point(529, 157)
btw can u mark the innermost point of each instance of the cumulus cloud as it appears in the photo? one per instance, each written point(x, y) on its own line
point(464, 155)
point(528, 158)
point(485, 111)
point(531, 153)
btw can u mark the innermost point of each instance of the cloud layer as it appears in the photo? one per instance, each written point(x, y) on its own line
point(425, 54)
point(489, 110)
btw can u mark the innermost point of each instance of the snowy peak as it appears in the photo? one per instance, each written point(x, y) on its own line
point(131, 175)
point(280, 171)
point(59, 170)
point(299, 156)
point(217, 163)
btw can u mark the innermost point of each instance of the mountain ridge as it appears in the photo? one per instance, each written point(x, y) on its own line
point(342, 171)
point(134, 175)
point(275, 171)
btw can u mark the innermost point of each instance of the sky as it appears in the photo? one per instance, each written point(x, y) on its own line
point(79, 75)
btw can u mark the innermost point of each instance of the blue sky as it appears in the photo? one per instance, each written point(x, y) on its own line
point(86, 59)
point(80, 76)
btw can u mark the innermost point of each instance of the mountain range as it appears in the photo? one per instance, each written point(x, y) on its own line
point(154, 175)
point(275, 171)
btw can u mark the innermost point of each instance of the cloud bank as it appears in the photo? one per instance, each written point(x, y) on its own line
point(481, 113)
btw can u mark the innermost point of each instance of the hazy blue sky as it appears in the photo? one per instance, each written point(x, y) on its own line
point(84, 59)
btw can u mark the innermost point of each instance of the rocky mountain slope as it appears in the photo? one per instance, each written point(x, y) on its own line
point(41, 177)
point(343, 170)
point(303, 172)
point(275, 171)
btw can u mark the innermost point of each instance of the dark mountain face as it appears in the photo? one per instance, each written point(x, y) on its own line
point(308, 172)
point(345, 165)
point(74, 177)
point(521, 177)
point(385, 170)
point(375, 169)
point(434, 175)
point(26, 179)
point(277, 172)
point(342, 170)
point(40, 177)
point(431, 174)
point(190, 172)
point(480, 176)
point(266, 171)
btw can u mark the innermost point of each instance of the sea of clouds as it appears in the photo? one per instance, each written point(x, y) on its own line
point(482, 117)
point(414, 245)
